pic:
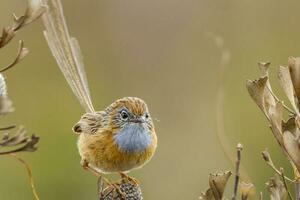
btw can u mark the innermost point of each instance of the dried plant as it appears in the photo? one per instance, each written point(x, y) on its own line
point(285, 131)
point(218, 182)
point(277, 186)
point(19, 140)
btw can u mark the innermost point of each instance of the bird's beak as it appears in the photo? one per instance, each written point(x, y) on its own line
point(138, 120)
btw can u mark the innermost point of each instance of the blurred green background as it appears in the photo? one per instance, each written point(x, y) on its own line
point(159, 51)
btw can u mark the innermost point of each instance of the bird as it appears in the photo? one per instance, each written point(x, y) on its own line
point(118, 139)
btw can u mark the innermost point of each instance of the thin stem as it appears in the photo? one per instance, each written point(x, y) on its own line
point(7, 128)
point(297, 191)
point(279, 173)
point(237, 170)
point(281, 102)
point(29, 172)
point(267, 158)
point(22, 52)
point(285, 184)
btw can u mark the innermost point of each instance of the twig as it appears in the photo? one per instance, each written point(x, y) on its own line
point(22, 52)
point(260, 196)
point(7, 128)
point(285, 184)
point(297, 192)
point(29, 172)
point(281, 102)
point(267, 158)
point(239, 149)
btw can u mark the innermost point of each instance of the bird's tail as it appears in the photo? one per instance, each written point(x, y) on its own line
point(66, 52)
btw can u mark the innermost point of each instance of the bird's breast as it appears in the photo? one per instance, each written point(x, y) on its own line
point(133, 138)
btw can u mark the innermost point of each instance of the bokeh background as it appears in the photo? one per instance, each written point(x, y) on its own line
point(159, 51)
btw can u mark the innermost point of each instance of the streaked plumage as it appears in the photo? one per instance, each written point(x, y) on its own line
point(113, 145)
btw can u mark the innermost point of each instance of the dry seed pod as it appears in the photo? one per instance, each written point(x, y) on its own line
point(128, 191)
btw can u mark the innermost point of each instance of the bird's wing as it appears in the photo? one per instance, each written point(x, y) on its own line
point(91, 123)
point(66, 52)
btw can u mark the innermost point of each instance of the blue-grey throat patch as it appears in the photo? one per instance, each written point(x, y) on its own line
point(134, 137)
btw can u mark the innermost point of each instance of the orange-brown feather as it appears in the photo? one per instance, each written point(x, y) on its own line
point(101, 152)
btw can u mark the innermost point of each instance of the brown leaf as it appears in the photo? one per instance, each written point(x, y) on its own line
point(261, 94)
point(7, 34)
point(294, 67)
point(285, 81)
point(291, 145)
point(276, 188)
point(217, 183)
point(19, 138)
point(275, 118)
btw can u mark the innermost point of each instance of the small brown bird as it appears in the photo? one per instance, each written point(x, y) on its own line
point(118, 139)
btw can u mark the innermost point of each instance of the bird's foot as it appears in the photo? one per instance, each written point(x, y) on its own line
point(88, 167)
point(129, 178)
point(106, 189)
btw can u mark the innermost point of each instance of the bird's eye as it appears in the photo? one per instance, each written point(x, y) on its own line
point(124, 115)
point(147, 115)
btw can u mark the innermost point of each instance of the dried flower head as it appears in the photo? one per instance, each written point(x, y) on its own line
point(128, 190)
point(217, 183)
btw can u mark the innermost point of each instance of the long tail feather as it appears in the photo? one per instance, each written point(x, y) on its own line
point(67, 53)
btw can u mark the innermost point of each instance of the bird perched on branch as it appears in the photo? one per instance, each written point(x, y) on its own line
point(117, 139)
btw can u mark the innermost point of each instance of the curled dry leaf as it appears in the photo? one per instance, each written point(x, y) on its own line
point(294, 67)
point(246, 189)
point(285, 81)
point(276, 188)
point(217, 183)
point(20, 141)
point(275, 119)
point(291, 135)
point(260, 94)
